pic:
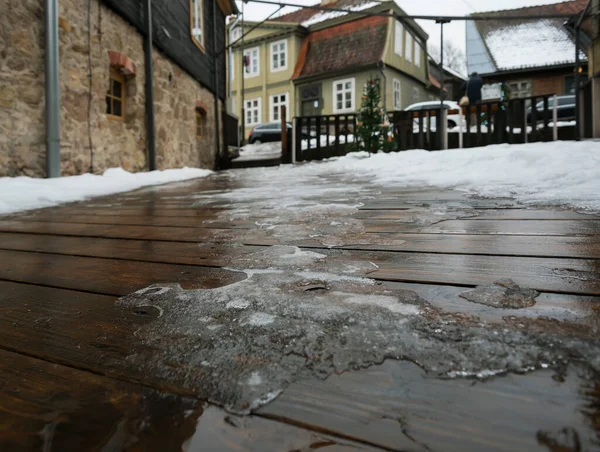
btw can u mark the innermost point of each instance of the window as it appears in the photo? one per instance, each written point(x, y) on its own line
point(520, 89)
point(253, 112)
point(398, 38)
point(200, 123)
point(343, 95)
point(397, 91)
point(236, 34)
point(416, 94)
point(409, 46)
point(197, 22)
point(115, 96)
point(278, 56)
point(252, 69)
point(417, 53)
point(277, 102)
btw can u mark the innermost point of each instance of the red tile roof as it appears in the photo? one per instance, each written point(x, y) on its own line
point(352, 44)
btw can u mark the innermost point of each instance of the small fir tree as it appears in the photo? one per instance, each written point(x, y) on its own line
point(373, 132)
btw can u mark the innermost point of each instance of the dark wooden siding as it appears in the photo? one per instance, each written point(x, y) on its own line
point(171, 23)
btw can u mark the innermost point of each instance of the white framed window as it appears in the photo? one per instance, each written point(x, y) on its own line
point(278, 56)
point(409, 46)
point(417, 53)
point(236, 34)
point(252, 68)
point(277, 101)
point(253, 111)
point(197, 22)
point(416, 95)
point(343, 95)
point(398, 38)
point(397, 94)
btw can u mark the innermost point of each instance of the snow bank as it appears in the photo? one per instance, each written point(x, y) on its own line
point(560, 172)
point(24, 193)
point(263, 151)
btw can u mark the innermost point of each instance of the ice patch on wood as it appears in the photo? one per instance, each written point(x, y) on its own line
point(504, 293)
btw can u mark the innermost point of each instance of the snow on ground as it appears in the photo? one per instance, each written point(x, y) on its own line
point(323, 139)
point(554, 173)
point(24, 193)
point(263, 151)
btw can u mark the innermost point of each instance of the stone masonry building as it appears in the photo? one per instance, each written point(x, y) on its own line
point(102, 85)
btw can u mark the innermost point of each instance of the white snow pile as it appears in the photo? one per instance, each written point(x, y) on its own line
point(24, 193)
point(558, 173)
point(263, 151)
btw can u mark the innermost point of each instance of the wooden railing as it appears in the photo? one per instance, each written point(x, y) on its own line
point(321, 137)
point(489, 122)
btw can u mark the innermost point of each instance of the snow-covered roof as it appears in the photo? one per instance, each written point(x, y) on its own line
point(502, 45)
point(537, 43)
point(327, 15)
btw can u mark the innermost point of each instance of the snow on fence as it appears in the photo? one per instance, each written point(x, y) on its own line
point(525, 120)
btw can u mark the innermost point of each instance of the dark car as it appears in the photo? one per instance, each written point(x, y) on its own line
point(565, 109)
point(264, 133)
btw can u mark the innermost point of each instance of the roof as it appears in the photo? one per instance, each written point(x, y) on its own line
point(500, 45)
point(348, 45)
point(308, 17)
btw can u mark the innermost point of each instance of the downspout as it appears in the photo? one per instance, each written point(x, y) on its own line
point(216, 77)
point(381, 67)
point(52, 82)
point(148, 74)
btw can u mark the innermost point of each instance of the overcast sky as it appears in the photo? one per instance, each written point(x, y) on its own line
point(454, 31)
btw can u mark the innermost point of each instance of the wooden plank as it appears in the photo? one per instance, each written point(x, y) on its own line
point(44, 406)
point(495, 227)
point(105, 276)
point(170, 221)
point(396, 405)
point(204, 254)
point(574, 276)
point(503, 214)
point(199, 213)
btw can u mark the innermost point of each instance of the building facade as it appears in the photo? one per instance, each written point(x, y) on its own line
point(103, 108)
point(318, 62)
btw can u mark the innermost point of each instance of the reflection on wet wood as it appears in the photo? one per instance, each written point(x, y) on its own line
point(46, 407)
point(575, 276)
point(105, 276)
point(504, 214)
point(397, 406)
point(492, 227)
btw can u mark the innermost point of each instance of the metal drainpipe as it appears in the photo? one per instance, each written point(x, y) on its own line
point(149, 91)
point(52, 89)
point(577, 83)
point(216, 74)
point(381, 67)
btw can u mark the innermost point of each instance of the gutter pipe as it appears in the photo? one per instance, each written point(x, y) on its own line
point(52, 83)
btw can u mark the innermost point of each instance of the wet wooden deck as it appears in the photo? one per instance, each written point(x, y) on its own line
point(62, 268)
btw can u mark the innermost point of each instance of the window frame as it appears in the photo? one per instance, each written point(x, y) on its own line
point(352, 91)
point(115, 75)
point(199, 44)
point(399, 39)
point(409, 47)
point(258, 108)
point(279, 104)
point(417, 52)
point(416, 95)
point(278, 52)
point(398, 82)
point(200, 124)
point(249, 51)
point(236, 31)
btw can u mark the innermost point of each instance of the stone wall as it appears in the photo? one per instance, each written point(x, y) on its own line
point(114, 142)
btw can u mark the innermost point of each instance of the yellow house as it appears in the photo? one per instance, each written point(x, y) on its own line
point(318, 62)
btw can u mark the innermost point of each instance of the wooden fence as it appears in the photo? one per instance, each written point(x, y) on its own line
point(513, 121)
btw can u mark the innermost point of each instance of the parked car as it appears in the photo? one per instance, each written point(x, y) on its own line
point(268, 132)
point(565, 109)
point(453, 119)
